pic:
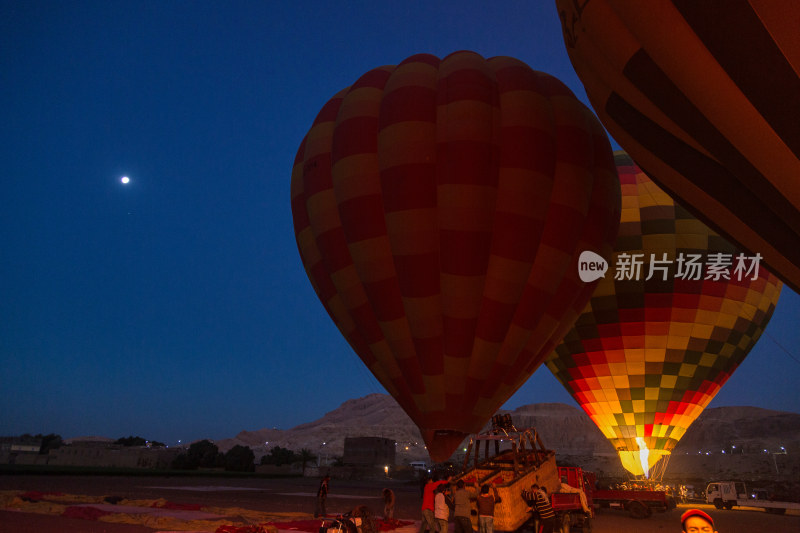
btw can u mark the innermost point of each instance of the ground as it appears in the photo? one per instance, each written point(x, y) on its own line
point(294, 497)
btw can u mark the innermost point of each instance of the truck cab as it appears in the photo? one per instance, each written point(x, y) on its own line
point(420, 466)
point(725, 494)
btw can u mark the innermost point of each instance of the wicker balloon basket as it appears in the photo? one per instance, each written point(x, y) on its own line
point(517, 461)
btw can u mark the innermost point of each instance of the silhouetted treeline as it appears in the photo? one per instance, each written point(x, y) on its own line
point(206, 454)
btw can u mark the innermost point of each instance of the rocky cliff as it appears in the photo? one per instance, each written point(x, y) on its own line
point(566, 429)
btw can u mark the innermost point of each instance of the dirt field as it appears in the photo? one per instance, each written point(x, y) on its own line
point(297, 495)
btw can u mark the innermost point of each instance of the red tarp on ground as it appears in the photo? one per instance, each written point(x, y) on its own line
point(178, 506)
point(35, 495)
point(84, 512)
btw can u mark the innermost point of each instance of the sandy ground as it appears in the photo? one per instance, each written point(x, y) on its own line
point(14, 522)
point(297, 495)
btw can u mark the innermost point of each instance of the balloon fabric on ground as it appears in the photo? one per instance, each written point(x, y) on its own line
point(439, 208)
point(647, 355)
point(704, 97)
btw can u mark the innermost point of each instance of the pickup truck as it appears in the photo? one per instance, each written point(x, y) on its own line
point(728, 494)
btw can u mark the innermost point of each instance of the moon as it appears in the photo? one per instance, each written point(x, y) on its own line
point(125, 180)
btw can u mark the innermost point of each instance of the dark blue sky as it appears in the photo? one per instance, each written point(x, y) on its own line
point(176, 307)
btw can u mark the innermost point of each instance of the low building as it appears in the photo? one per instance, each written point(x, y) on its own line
point(96, 454)
point(19, 450)
point(368, 451)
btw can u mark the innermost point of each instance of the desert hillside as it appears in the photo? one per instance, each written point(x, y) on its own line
point(743, 433)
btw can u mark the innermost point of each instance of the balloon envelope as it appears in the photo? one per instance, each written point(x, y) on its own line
point(646, 356)
point(705, 96)
point(439, 207)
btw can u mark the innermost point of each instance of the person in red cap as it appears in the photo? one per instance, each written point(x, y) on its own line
point(697, 521)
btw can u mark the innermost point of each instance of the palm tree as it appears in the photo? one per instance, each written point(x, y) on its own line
point(305, 457)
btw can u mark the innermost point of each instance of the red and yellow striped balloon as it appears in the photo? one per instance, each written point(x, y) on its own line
point(705, 96)
point(652, 348)
point(439, 208)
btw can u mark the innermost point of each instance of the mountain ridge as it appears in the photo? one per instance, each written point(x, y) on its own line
point(564, 428)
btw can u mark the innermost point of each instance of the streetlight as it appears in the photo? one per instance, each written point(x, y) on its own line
point(775, 460)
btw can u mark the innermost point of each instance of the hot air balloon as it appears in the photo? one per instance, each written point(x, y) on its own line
point(438, 209)
point(705, 96)
point(661, 336)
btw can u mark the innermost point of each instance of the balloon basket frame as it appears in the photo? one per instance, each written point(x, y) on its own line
point(509, 460)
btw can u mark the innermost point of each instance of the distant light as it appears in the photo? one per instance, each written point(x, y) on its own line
point(125, 180)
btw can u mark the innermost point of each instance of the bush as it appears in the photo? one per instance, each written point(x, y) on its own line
point(279, 456)
point(204, 454)
point(50, 442)
point(138, 441)
point(240, 459)
point(181, 462)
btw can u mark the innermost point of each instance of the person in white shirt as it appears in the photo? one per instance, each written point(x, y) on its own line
point(441, 509)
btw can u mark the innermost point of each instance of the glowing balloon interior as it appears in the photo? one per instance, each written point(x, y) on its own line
point(646, 356)
point(439, 208)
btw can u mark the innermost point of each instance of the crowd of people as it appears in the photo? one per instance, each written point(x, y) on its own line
point(439, 496)
point(680, 491)
point(443, 497)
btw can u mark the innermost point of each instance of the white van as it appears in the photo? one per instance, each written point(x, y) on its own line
point(419, 465)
